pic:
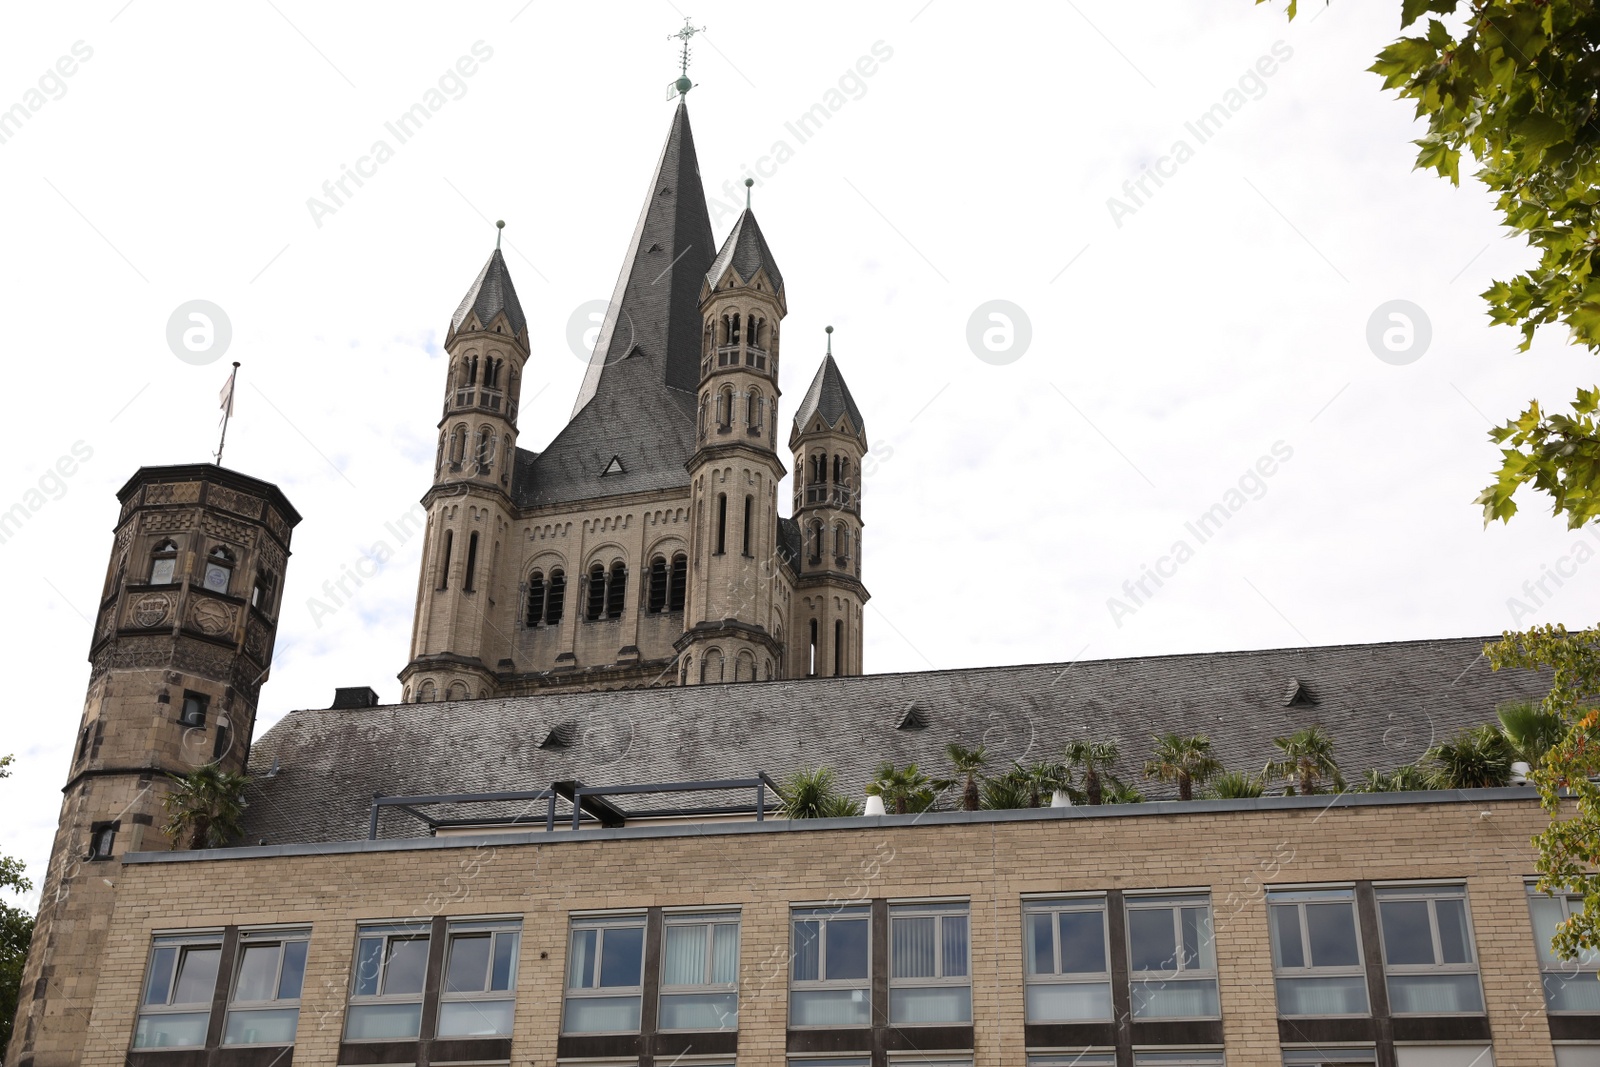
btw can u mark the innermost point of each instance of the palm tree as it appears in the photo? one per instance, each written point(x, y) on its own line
point(1478, 758)
point(1185, 760)
point(1120, 792)
point(1094, 757)
point(1033, 780)
point(205, 808)
point(1530, 730)
point(1005, 791)
point(906, 789)
point(809, 794)
point(1403, 779)
point(1307, 758)
point(968, 763)
point(1236, 785)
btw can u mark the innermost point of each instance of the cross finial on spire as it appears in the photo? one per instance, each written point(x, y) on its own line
point(829, 330)
point(499, 228)
point(683, 84)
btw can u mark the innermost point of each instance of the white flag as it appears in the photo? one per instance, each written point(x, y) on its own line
point(226, 396)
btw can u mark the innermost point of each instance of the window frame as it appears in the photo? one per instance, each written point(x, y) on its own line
point(1172, 900)
point(638, 920)
point(1300, 897)
point(939, 911)
point(389, 932)
point(1430, 892)
point(823, 914)
point(1564, 968)
point(712, 920)
point(496, 929)
point(255, 937)
point(166, 549)
point(223, 559)
point(184, 942)
point(1054, 906)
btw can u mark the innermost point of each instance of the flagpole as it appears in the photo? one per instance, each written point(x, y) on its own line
point(227, 412)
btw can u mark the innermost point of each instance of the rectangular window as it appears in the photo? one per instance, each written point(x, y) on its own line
point(1172, 958)
point(478, 995)
point(102, 840)
point(1428, 959)
point(1074, 1059)
point(830, 1061)
point(1316, 952)
point(386, 988)
point(829, 979)
point(605, 975)
point(930, 972)
point(700, 972)
point(1443, 1056)
point(1570, 986)
point(1577, 1055)
point(179, 984)
point(1067, 960)
point(194, 709)
point(1197, 1057)
point(264, 999)
point(1355, 1056)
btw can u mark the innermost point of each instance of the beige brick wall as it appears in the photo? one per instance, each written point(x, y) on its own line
point(1235, 854)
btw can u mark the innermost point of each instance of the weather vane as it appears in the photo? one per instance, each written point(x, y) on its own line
point(683, 84)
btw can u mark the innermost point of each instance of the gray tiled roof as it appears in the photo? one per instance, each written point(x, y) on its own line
point(637, 398)
point(1384, 704)
point(492, 293)
point(830, 397)
point(746, 252)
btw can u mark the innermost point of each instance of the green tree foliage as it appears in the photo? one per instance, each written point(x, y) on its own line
point(1511, 84)
point(904, 789)
point(16, 931)
point(968, 764)
point(1184, 760)
point(1306, 758)
point(1095, 759)
point(1478, 758)
point(814, 794)
point(205, 808)
point(1236, 785)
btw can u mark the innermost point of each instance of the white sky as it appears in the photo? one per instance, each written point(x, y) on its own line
point(1008, 502)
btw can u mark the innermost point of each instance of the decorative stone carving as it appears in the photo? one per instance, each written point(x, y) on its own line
point(168, 521)
point(172, 493)
point(211, 617)
point(239, 503)
point(225, 529)
point(150, 610)
point(275, 523)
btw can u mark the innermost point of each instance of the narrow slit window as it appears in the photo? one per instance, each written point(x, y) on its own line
point(444, 559)
point(596, 605)
point(535, 613)
point(658, 585)
point(679, 582)
point(749, 517)
point(472, 562)
point(555, 597)
point(617, 590)
point(838, 647)
point(722, 523)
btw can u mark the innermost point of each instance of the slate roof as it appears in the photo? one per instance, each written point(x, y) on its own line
point(637, 398)
point(746, 252)
point(1384, 704)
point(492, 293)
point(829, 396)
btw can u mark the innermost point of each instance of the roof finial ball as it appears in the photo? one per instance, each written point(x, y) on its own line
point(499, 227)
point(829, 331)
point(748, 182)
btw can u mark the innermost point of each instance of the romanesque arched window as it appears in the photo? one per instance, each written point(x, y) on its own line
point(163, 563)
point(458, 446)
point(535, 609)
point(816, 541)
point(711, 666)
point(472, 563)
point(744, 668)
point(838, 648)
point(725, 408)
point(658, 585)
point(617, 590)
point(595, 605)
point(749, 521)
point(678, 581)
point(555, 597)
point(722, 523)
point(444, 559)
point(483, 451)
point(427, 694)
point(841, 541)
point(755, 410)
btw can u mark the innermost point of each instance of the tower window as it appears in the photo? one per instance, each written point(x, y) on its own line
point(555, 598)
point(458, 446)
point(535, 613)
point(219, 747)
point(733, 338)
point(472, 562)
point(705, 402)
point(483, 451)
point(679, 582)
point(658, 585)
point(749, 515)
point(838, 648)
point(163, 563)
point(261, 595)
point(597, 593)
point(816, 541)
point(811, 657)
point(219, 570)
point(722, 523)
point(102, 840)
point(617, 590)
point(755, 408)
point(725, 410)
point(841, 542)
point(444, 559)
point(194, 709)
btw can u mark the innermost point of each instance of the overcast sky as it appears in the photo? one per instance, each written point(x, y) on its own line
point(1201, 327)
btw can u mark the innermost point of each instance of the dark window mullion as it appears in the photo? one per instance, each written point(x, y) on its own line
point(878, 933)
point(1377, 989)
point(219, 996)
point(431, 984)
point(1121, 993)
point(650, 1007)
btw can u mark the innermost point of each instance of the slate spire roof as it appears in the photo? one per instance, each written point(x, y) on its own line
point(746, 252)
point(830, 398)
point(491, 293)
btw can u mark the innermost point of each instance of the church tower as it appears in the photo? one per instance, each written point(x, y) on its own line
point(182, 641)
point(456, 643)
point(829, 441)
point(733, 617)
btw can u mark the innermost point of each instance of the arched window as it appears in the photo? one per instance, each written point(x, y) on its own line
point(491, 372)
point(744, 668)
point(535, 611)
point(472, 562)
point(838, 648)
point(555, 598)
point(749, 517)
point(678, 584)
point(711, 666)
point(163, 563)
point(733, 338)
point(444, 559)
point(427, 694)
point(816, 541)
point(483, 451)
point(617, 590)
point(705, 402)
point(219, 570)
point(754, 409)
point(722, 523)
point(596, 600)
point(725, 408)
point(458, 691)
point(458, 446)
point(438, 460)
point(841, 541)
point(658, 585)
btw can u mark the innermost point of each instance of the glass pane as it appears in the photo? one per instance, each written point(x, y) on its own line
point(369, 956)
point(847, 949)
point(1166, 999)
point(382, 1022)
point(469, 963)
point(1151, 941)
point(700, 1011)
point(1075, 1059)
point(807, 950)
point(600, 1015)
point(1082, 943)
point(160, 982)
point(258, 973)
point(1434, 994)
point(1286, 948)
point(725, 953)
point(161, 571)
point(685, 962)
point(1343, 995)
point(1198, 951)
point(504, 974)
point(622, 956)
point(937, 1004)
point(828, 1007)
point(1572, 992)
point(1333, 935)
point(475, 1018)
point(407, 966)
point(911, 951)
point(1454, 940)
point(171, 1031)
point(1407, 935)
point(269, 1026)
point(954, 949)
point(1039, 949)
point(580, 964)
point(294, 970)
point(1578, 1056)
point(1068, 1003)
point(197, 976)
point(1443, 1056)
